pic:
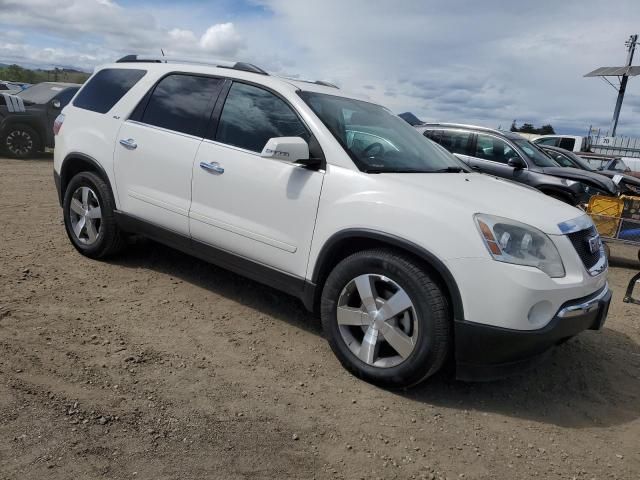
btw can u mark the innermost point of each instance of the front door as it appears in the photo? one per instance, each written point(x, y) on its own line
point(258, 208)
point(155, 149)
point(491, 155)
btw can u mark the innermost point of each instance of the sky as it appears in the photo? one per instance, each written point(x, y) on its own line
point(480, 62)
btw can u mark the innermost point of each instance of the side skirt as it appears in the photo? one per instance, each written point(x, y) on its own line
point(290, 284)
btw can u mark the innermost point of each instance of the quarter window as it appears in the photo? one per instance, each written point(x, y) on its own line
point(567, 143)
point(553, 141)
point(251, 116)
point(494, 149)
point(182, 103)
point(106, 88)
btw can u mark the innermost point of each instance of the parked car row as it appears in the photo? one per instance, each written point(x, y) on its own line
point(26, 117)
point(411, 257)
point(510, 156)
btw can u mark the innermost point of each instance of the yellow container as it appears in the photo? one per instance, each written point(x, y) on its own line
point(606, 213)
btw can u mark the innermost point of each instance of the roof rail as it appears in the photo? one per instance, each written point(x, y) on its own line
point(461, 125)
point(243, 66)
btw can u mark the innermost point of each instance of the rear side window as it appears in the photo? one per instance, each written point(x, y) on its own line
point(455, 142)
point(567, 143)
point(106, 88)
point(251, 116)
point(182, 103)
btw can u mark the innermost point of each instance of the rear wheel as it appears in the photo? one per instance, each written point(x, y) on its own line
point(21, 141)
point(89, 217)
point(385, 318)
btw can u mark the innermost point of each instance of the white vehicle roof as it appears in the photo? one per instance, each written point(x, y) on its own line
point(238, 70)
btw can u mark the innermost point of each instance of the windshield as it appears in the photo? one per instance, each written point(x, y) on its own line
point(41, 93)
point(377, 140)
point(534, 154)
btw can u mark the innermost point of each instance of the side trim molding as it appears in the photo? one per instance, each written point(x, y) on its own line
point(259, 272)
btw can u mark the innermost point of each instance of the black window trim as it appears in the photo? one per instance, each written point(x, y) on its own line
point(211, 131)
point(137, 113)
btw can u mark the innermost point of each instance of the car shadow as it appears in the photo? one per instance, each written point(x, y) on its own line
point(591, 381)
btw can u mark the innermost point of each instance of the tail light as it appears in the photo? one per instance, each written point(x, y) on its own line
point(57, 123)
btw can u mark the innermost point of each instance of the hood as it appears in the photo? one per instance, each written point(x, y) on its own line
point(590, 178)
point(464, 194)
point(625, 177)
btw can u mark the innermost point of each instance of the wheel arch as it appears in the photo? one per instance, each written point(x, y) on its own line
point(344, 243)
point(75, 163)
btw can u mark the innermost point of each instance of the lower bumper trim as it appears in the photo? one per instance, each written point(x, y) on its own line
point(486, 352)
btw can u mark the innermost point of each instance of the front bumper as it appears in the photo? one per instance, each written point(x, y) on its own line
point(486, 352)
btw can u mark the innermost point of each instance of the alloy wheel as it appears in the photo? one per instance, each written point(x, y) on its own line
point(85, 215)
point(377, 320)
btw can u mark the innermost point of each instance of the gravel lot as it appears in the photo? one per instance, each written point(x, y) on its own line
point(156, 365)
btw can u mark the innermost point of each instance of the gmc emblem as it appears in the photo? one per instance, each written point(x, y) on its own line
point(594, 244)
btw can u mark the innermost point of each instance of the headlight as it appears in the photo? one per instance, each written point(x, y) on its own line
point(510, 241)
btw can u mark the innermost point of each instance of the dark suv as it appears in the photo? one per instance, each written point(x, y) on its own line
point(26, 118)
point(510, 156)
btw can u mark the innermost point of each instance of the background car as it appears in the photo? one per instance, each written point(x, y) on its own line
point(26, 118)
point(508, 155)
point(628, 184)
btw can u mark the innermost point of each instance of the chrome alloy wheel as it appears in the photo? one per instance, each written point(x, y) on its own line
point(377, 320)
point(19, 143)
point(85, 215)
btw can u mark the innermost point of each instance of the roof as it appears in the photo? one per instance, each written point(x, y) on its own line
point(230, 69)
point(614, 72)
point(478, 128)
point(60, 84)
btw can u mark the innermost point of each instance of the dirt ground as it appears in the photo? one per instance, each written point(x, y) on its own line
point(156, 365)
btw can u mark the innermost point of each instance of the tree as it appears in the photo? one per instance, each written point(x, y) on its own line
point(529, 128)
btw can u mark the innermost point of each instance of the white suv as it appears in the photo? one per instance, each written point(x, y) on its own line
point(410, 258)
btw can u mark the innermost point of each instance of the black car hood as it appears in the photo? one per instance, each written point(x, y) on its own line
point(591, 178)
point(625, 178)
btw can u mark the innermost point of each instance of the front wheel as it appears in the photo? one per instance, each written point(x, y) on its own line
point(385, 318)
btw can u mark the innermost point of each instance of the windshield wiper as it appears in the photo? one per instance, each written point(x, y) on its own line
point(448, 170)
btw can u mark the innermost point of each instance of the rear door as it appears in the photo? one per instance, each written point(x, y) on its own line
point(256, 208)
point(155, 149)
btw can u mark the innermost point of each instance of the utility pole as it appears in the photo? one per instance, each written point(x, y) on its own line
point(631, 48)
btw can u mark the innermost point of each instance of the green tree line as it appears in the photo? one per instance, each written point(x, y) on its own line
point(529, 128)
point(16, 73)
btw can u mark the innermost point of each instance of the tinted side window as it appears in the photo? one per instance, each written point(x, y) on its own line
point(106, 88)
point(433, 135)
point(560, 158)
point(182, 103)
point(494, 149)
point(547, 141)
point(567, 143)
point(251, 116)
point(455, 142)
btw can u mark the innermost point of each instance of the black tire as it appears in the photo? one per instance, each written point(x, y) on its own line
point(110, 239)
point(21, 141)
point(434, 324)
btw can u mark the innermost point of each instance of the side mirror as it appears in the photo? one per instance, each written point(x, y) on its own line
point(56, 104)
point(286, 149)
point(517, 163)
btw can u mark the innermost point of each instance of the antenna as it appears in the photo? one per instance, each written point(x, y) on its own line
point(162, 51)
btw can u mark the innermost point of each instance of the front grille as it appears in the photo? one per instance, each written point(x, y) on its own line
point(580, 241)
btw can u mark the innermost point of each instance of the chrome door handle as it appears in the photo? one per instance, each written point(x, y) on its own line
point(213, 167)
point(129, 143)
